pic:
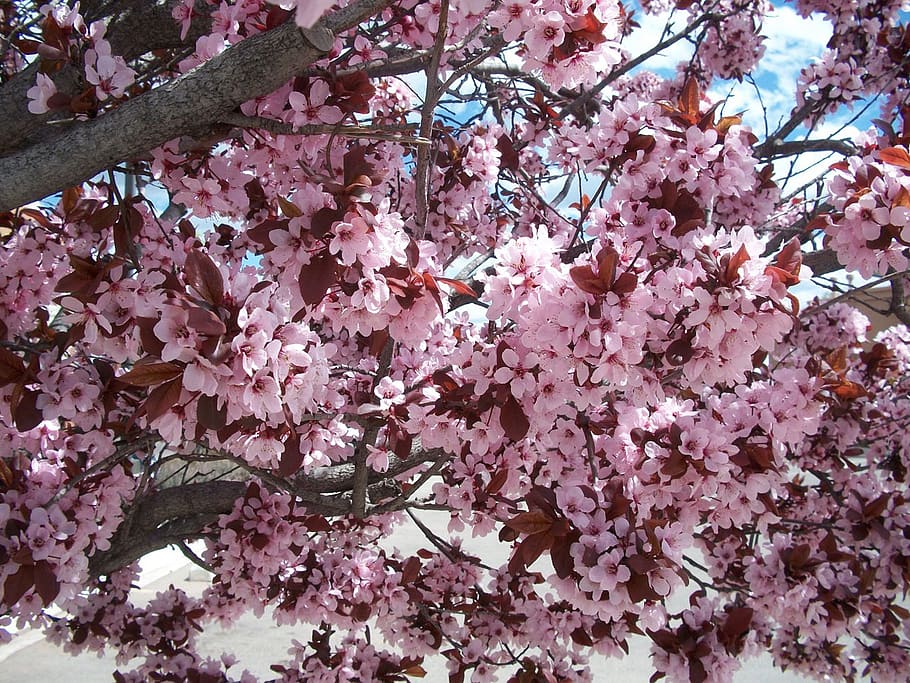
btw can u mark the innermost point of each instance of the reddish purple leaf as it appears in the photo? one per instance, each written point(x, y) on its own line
point(209, 414)
point(151, 374)
point(27, 416)
point(317, 276)
point(203, 275)
point(17, 584)
point(513, 420)
point(291, 458)
point(163, 398)
point(46, 583)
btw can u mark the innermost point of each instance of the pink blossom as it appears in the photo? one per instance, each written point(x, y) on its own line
point(40, 93)
point(179, 339)
point(350, 240)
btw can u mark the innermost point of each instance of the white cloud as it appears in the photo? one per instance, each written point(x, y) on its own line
point(651, 34)
point(792, 43)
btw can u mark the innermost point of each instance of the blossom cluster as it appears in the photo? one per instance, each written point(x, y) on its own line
point(66, 34)
point(564, 317)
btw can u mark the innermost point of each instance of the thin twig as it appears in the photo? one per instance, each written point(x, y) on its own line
point(812, 310)
point(368, 440)
point(193, 557)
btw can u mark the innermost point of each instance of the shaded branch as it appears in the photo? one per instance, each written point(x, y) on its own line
point(899, 299)
point(774, 148)
point(165, 517)
point(822, 261)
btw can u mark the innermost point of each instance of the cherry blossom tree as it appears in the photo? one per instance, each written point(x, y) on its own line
point(279, 277)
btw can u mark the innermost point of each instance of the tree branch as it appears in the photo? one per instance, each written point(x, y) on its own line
point(165, 517)
point(423, 172)
point(822, 261)
point(276, 127)
point(774, 148)
point(136, 28)
point(191, 103)
point(899, 300)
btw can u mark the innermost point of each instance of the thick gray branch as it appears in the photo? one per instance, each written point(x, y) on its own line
point(162, 517)
point(822, 262)
point(174, 515)
point(136, 28)
point(192, 102)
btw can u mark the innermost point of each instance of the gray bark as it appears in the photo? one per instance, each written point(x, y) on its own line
point(191, 103)
point(136, 28)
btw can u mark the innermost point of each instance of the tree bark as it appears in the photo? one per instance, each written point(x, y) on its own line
point(193, 102)
point(136, 28)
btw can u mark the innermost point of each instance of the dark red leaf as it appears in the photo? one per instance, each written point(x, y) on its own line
point(533, 547)
point(256, 196)
point(587, 281)
point(151, 374)
point(323, 220)
point(291, 459)
point(531, 522)
point(665, 640)
point(738, 621)
point(679, 352)
point(26, 415)
point(261, 233)
point(361, 611)
point(497, 481)
point(896, 156)
point(562, 559)
point(458, 286)
point(607, 261)
point(17, 584)
point(317, 276)
point(790, 257)
point(46, 583)
point(781, 275)
point(203, 275)
point(162, 398)
point(209, 415)
point(289, 208)
point(205, 322)
point(410, 570)
point(639, 589)
point(641, 564)
point(123, 236)
point(509, 155)
point(513, 420)
point(12, 367)
point(26, 46)
point(625, 284)
point(582, 637)
point(876, 507)
point(697, 672)
point(104, 218)
point(739, 258)
point(689, 99)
